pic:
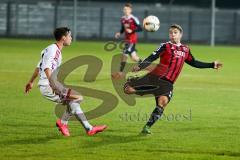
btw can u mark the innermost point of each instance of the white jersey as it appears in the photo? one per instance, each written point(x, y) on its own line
point(51, 58)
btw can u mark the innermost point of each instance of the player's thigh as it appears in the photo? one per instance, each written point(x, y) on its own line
point(134, 56)
point(48, 93)
point(129, 48)
point(67, 94)
point(138, 84)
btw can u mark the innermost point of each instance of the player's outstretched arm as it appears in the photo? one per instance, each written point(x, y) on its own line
point(48, 73)
point(54, 84)
point(199, 64)
point(138, 29)
point(145, 63)
point(217, 65)
point(29, 85)
point(118, 34)
point(152, 57)
point(138, 25)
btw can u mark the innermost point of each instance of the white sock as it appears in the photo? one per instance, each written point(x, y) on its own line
point(66, 117)
point(77, 111)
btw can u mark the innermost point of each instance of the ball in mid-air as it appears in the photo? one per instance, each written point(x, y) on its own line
point(151, 23)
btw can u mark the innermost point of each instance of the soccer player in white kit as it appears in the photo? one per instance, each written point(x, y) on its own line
point(51, 58)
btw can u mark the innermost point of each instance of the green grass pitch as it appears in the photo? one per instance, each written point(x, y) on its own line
point(206, 102)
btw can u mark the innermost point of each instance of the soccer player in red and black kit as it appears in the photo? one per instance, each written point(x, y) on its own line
point(160, 80)
point(129, 26)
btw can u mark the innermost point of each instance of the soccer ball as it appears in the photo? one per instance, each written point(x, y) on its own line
point(151, 23)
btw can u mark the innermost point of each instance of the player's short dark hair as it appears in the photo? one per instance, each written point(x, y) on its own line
point(128, 5)
point(59, 32)
point(177, 26)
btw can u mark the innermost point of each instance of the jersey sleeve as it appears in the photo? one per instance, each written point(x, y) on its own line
point(138, 25)
point(40, 61)
point(190, 60)
point(48, 58)
point(152, 57)
point(122, 27)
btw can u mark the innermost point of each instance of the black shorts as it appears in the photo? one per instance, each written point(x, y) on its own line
point(129, 48)
point(151, 84)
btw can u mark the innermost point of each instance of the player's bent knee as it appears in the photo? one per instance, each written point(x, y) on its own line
point(129, 90)
point(79, 98)
point(76, 98)
point(163, 101)
point(135, 58)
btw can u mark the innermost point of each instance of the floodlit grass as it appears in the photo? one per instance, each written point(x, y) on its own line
point(201, 121)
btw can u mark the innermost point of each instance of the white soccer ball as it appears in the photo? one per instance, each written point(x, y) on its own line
point(151, 23)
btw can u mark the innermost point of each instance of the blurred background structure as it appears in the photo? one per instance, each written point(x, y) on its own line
point(203, 21)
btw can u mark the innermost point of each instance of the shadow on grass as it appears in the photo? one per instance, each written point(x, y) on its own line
point(36, 140)
point(107, 138)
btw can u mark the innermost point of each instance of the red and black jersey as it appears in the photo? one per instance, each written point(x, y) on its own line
point(172, 58)
point(132, 23)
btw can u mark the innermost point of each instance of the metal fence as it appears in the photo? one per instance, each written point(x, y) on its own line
point(38, 19)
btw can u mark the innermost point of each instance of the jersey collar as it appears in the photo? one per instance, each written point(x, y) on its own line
point(128, 17)
point(57, 46)
point(175, 44)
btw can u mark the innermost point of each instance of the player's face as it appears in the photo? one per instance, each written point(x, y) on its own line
point(67, 40)
point(127, 11)
point(175, 35)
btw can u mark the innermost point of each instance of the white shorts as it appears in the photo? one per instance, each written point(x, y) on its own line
point(59, 97)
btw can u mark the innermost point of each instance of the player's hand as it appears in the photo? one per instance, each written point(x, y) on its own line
point(129, 30)
point(136, 68)
point(28, 87)
point(117, 35)
point(217, 65)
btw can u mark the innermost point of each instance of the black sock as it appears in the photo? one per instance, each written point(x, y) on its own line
point(140, 61)
point(122, 66)
point(156, 114)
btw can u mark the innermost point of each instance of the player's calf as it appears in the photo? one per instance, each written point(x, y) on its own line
point(162, 102)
